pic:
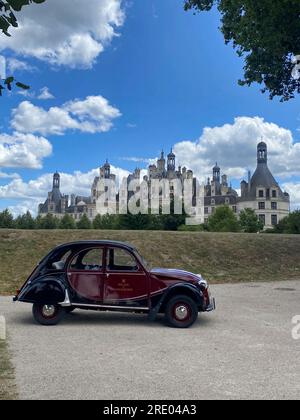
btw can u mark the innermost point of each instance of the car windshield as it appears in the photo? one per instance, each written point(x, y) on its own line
point(145, 263)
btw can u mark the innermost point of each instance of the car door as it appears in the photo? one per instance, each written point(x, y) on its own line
point(86, 274)
point(126, 282)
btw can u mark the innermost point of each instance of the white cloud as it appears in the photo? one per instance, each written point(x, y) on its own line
point(14, 64)
point(45, 94)
point(233, 146)
point(23, 150)
point(70, 32)
point(92, 115)
point(294, 190)
point(4, 175)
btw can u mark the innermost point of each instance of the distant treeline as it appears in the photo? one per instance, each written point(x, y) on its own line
point(223, 220)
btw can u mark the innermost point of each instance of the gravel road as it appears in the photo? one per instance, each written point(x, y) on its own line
point(244, 350)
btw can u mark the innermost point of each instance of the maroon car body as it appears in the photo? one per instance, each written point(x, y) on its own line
point(112, 276)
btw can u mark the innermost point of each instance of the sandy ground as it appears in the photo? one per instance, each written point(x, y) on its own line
point(243, 350)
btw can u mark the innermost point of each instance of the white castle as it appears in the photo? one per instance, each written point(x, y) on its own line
point(261, 193)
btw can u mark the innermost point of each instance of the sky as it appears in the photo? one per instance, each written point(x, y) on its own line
point(122, 80)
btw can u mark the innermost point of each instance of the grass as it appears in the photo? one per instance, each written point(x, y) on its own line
point(7, 385)
point(220, 258)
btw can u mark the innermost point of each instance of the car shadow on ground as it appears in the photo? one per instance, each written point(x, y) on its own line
point(85, 318)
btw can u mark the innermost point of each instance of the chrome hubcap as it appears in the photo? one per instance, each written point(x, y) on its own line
point(48, 310)
point(181, 312)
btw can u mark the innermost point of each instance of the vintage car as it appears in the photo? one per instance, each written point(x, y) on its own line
point(112, 276)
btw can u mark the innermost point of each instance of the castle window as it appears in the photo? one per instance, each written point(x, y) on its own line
point(274, 193)
point(262, 218)
point(234, 209)
point(205, 210)
point(261, 193)
point(274, 219)
point(274, 206)
point(262, 205)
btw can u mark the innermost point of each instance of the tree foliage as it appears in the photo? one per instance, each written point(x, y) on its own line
point(25, 221)
point(6, 220)
point(7, 20)
point(48, 222)
point(290, 224)
point(249, 221)
point(267, 34)
point(7, 16)
point(223, 220)
point(84, 223)
point(67, 222)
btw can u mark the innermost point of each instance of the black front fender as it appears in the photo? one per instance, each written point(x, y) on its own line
point(177, 289)
point(44, 290)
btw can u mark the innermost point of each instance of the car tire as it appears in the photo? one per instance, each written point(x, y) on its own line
point(48, 314)
point(181, 312)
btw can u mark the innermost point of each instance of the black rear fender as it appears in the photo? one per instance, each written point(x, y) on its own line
point(45, 290)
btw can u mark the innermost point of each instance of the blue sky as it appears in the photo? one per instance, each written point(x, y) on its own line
point(169, 75)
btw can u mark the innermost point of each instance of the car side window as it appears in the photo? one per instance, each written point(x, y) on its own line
point(60, 261)
point(120, 260)
point(88, 260)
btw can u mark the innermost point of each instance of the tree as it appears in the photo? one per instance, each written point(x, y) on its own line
point(7, 16)
point(249, 221)
point(67, 222)
point(7, 20)
point(290, 224)
point(84, 223)
point(26, 221)
point(267, 34)
point(223, 220)
point(48, 222)
point(106, 222)
point(6, 220)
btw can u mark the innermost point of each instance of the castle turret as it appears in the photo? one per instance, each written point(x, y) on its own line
point(262, 153)
point(171, 161)
point(56, 180)
point(216, 173)
point(161, 163)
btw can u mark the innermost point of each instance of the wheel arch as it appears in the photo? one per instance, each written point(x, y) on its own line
point(44, 290)
point(181, 289)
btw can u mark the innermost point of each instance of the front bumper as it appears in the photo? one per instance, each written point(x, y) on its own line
point(212, 306)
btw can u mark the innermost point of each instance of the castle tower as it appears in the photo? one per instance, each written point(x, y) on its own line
point(161, 163)
point(106, 168)
point(56, 181)
point(216, 173)
point(262, 153)
point(171, 161)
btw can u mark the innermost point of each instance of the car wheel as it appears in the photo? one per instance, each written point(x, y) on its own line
point(181, 312)
point(48, 314)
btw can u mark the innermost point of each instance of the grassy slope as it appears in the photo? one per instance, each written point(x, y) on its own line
point(7, 386)
point(218, 257)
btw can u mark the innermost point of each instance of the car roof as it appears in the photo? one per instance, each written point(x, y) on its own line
point(78, 244)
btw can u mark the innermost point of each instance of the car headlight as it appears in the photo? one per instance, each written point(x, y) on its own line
point(202, 282)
